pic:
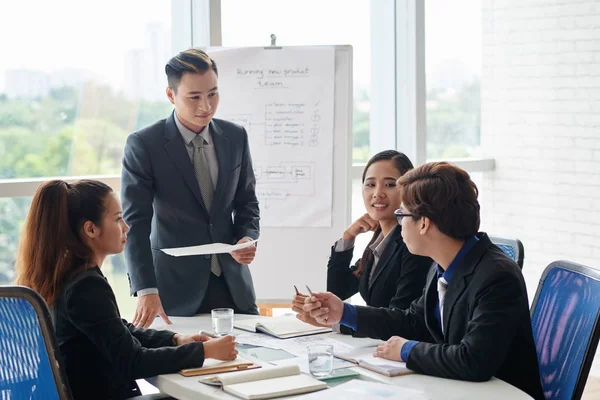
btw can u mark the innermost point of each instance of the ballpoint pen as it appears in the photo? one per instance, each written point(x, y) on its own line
point(297, 292)
point(309, 291)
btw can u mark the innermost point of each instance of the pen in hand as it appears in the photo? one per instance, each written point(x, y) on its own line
point(309, 291)
point(297, 292)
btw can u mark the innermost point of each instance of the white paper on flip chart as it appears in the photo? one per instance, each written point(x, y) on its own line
point(213, 248)
point(285, 101)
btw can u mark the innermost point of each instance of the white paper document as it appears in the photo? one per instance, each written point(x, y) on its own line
point(358, 389)
point(213, 248)
point(285, 101)
point(296, 346)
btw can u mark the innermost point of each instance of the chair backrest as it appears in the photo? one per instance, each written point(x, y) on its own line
point(30, 361)
point(564, 315)
point(512, 247)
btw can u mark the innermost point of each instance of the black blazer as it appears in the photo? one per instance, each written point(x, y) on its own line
point(163, 206)
point(488, 326)
point(104, 354)
point(399, 276)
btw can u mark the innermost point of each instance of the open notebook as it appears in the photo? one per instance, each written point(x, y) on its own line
point(266, 383)
point(212, 366)
point(363, 357)
point(283, 327)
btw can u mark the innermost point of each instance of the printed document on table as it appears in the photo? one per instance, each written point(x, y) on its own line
point(213, 248)
point(296, 346)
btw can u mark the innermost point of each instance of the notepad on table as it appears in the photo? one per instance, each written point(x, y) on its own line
point(266, 383)
point(283, 327)
point(212, 366)
point(363, 358)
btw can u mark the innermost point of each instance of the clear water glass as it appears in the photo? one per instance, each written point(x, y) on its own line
point(222, 321)
point(320, 360)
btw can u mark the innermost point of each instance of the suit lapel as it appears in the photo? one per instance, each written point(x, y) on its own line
point(431, 300)
point(459, 280)
point(363, 283)
point(175, 148)
point(388, 252)
point(221, 143)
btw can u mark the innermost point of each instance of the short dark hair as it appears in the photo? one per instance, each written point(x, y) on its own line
point(191, 60)
point(446, 195)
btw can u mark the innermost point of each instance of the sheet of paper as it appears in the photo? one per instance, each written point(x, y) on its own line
point(285, 101)
point(297, 346)
point(213, 248)
point(302, 362)
point(358, 389)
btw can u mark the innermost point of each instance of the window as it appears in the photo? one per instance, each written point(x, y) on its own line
point(310, 22)
point(75, 80)
point(77, 83)
point(453, 72)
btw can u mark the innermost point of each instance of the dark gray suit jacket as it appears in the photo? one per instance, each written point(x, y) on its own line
point(486, 315)
point(163, 206)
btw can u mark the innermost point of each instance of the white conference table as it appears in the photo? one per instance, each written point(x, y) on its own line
point(188, 388)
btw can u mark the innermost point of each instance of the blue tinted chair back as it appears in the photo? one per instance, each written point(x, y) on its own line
point(512, 247)
point(30, 363)
point(564, 315)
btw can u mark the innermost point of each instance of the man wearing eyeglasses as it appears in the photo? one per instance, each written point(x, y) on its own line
point(472, 321)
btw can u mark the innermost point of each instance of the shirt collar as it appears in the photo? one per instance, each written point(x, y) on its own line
point(381, 242)
point(467, 246)
point(189, 135)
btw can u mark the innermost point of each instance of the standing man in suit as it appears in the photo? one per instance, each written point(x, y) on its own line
point(472, 321)
point(188, 180)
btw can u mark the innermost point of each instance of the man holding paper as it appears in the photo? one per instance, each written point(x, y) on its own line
point(188, 180)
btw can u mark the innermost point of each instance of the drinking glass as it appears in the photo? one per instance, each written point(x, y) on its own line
point(320, 360)
point(222, 321)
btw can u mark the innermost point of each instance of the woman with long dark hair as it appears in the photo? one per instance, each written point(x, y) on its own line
point(69, 231)
point(387, 274)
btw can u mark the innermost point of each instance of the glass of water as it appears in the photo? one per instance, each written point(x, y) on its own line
point(320, 360)
point(222, 321)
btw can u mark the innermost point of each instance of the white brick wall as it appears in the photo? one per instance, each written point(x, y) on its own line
point(540, 106)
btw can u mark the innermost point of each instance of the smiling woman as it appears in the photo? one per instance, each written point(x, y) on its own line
point(387, 275)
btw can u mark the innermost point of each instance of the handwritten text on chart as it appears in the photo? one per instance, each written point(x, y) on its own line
point(268, 73)
point(272, 78)
point(284, 124)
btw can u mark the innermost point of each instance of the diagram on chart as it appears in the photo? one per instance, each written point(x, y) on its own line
point(284, 100)
point(280, 182)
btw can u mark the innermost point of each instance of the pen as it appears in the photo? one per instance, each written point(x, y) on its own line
point(309, 291)
point(297, 292)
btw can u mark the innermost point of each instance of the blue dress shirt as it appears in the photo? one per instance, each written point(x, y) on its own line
point(467, 246)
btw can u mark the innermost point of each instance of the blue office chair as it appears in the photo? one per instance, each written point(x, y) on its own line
point(564, 315)
point(512, 247)
point(30, 363)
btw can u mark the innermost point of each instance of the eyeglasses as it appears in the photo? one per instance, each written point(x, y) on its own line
point(399, 215)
